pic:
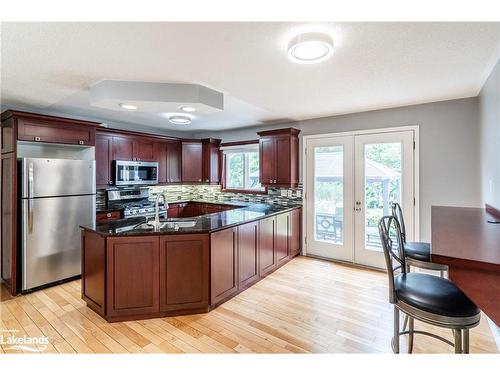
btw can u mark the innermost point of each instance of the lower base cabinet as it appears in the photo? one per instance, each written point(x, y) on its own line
point(282, 238)
point(248, 254)
point(223, 265)
point(295, 235)
point(140, 277)
point(267, 248)
point(132, 275)
point(184, 283)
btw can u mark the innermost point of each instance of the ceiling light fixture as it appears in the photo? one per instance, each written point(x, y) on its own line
point(130, 107)
point(180, 120)
point(187, 108)
point(310, 48)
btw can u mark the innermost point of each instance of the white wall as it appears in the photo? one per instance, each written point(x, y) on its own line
point(449, 147)
point(489, 115)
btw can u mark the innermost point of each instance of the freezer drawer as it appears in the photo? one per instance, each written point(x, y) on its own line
point(55, 177)
point(51, 237)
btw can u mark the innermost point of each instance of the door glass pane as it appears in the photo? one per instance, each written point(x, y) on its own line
point(382, 187)
point(329, 194)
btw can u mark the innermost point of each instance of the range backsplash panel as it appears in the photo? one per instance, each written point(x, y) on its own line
point(213, 192)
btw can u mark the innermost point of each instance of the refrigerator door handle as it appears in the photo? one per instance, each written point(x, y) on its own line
point(30, 197)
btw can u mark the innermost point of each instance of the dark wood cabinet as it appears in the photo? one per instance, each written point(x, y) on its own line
point(8, 135)
point(248, 254)
point(53, 131)
point(267, 248)
point(123, 148)
point(184, 282)
point(282, 237)
point(103, 158)
point(130, 278)
point(279, 157)
point(144, 150)
point(192, 162)
point(223, 265)
point(174, 155)
point(102, 217)
point(133, 265)
point(267, 163)
point(295, 235)
point(9, 255)
point(210, 151)
point(160, 151)
point(94, 270)
point(173, 211)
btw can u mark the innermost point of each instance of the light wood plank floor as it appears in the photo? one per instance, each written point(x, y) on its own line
point(307, 306)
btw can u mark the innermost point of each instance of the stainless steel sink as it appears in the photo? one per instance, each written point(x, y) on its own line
point(168, 224)
point(178, 224)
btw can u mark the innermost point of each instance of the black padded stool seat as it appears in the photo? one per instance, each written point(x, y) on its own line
point(418, 250)
point(433, 294)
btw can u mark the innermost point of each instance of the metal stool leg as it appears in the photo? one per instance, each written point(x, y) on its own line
point(411, 334)
point(441, 273)
point(457, 333)
point(405, 322)
point(395, 339)
point(466, 341)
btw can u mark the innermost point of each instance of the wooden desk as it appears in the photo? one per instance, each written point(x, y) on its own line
point(463, 239)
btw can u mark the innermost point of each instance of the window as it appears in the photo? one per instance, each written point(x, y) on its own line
point(242, 168)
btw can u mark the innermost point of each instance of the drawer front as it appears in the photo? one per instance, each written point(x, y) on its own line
point(107, 216)
point(56, 133)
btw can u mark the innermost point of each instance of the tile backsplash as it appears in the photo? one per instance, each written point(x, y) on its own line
point(213, 192)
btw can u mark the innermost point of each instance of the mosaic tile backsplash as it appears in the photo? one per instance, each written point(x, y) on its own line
point(213, 192)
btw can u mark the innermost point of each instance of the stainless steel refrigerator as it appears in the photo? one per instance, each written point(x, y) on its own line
point(57, 196)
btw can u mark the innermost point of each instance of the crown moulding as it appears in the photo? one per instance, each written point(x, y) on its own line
point(155, 97)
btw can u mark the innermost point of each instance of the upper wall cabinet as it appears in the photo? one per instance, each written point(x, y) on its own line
point(117, 145)
point(192, 161)
point(168, 155)
point(211, 160)
point(25, 126)
point(279, 157)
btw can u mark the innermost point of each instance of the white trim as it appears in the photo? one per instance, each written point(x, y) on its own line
point(240, 148)
point(416, 176)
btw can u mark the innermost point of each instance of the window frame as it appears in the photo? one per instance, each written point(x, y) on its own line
point(224, 169)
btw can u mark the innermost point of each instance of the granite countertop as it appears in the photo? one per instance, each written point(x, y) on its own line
point(246, 212)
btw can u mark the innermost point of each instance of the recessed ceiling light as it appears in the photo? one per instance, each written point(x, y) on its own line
point(180, 120)
point(310, 48)
point(187, 108)
point(128, 106)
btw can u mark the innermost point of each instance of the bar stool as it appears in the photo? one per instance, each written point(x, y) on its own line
point(427, 298)
point(418, 254)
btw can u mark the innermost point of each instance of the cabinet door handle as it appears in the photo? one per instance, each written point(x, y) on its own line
point(81, 142)
point(37, 139)
point(199, 180)
point(108, 214)
point(274, 181)
point(270, 181)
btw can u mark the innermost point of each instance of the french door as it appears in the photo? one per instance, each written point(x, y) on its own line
point(351, 182)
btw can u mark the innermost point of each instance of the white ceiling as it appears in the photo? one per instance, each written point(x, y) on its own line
point(50, 66)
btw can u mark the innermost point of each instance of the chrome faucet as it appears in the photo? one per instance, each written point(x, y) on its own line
point(157, 209)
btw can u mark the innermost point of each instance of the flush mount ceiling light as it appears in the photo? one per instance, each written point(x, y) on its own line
point(130, 107)
point(310, 48)
point(187, 108)
point(180, 120)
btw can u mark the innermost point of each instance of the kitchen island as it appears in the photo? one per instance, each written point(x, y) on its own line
point(131, 270)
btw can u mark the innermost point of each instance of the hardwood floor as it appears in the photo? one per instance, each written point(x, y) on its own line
point(307, 306)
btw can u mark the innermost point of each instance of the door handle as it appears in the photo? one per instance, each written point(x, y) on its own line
point(30, 197)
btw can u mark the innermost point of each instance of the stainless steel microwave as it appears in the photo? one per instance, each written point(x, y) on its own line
point(136, 172)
